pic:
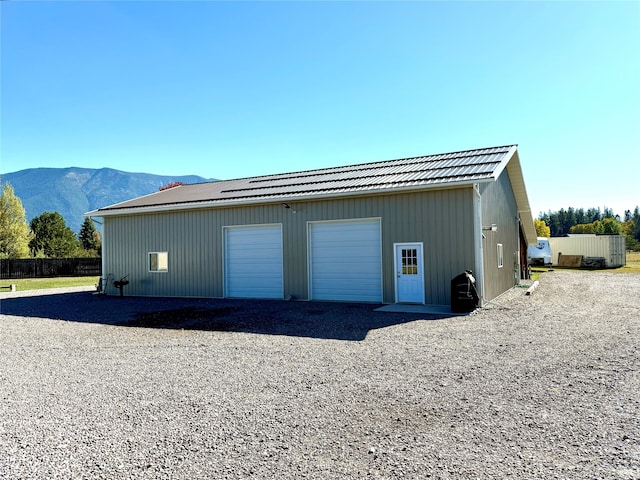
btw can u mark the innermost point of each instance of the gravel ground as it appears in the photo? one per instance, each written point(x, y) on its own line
point(541, 386)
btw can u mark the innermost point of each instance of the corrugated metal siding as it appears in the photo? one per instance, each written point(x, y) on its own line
point(441, 219)
point(187, 239)
point(610, 247)
point(617, 251)
point(499, 207)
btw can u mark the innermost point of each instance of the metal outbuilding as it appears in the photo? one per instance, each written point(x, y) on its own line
point(610, 247)
point(394, 231)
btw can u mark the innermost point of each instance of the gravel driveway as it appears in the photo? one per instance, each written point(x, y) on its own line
point(541, 386)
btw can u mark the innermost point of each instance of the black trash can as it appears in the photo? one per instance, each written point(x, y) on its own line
point(464, 296)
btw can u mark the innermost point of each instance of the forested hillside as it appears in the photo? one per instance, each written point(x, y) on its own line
point(74, 191)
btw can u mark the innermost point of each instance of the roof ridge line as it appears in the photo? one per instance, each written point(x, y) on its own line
point(288, 174)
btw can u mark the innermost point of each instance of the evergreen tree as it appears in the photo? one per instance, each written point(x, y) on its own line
point(90, 237)
point(14, 229)
point(593, 215)
point(560, 222)
point(571, 219)
point(581, 217)
point(608, 213)
point(52, 237)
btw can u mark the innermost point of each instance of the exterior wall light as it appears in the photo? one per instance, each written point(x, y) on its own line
point(286, 206)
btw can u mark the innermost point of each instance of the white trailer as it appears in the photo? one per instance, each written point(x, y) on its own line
point(610, 247)
point(540, 254)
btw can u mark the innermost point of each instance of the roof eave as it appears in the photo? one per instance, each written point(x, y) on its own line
point(514, 170)
point(115, 205)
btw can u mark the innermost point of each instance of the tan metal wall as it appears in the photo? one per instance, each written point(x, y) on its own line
point(499, 207)
point(441, 219)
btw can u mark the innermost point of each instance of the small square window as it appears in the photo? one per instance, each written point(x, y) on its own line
point(500, 256)
point(158, 262)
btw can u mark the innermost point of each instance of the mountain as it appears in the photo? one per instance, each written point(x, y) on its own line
point(74, 191)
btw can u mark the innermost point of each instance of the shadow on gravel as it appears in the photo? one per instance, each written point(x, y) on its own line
point(328, 320)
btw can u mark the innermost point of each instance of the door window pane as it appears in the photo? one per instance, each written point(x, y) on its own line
point(409, 261)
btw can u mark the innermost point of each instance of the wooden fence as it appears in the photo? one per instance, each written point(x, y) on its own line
point(50, 267)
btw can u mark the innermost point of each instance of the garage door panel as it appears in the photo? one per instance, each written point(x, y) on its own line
point(346, 261)
point(340, 251)
point(346, 269)
point(353, 295)
point(249, 263)
point(345, 274)
point(345, 285)
point(253, 262)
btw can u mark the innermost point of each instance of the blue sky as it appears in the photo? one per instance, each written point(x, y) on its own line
point(228, 90)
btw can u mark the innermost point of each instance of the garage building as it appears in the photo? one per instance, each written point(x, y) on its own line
point(393, 231)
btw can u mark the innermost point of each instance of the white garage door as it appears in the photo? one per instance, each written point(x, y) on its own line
point(253, 261)
point(346, 261)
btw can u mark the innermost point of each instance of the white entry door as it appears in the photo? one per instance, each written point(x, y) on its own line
point(409, 273)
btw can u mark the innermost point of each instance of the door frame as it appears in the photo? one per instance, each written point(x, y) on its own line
point(420, 247)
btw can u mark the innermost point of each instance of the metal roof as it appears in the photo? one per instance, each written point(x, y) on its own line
point(431, 171)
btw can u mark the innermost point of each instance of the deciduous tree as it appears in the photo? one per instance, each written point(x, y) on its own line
point(628, 230)
point(583, 228)
point(609, 226)
point(14, 229)
point(542, 230)
point(606, 226)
